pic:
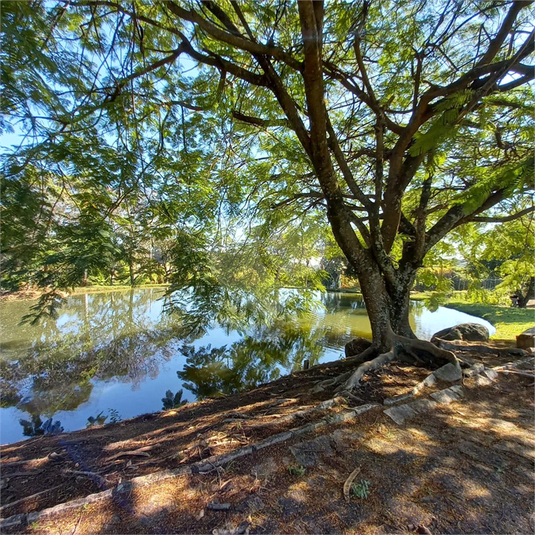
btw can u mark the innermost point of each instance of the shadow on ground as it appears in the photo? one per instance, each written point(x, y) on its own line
point(466, 467)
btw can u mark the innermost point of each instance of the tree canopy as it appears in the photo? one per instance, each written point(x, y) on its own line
point(395, 122)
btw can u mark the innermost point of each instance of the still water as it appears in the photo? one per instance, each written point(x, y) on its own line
point(113, 355)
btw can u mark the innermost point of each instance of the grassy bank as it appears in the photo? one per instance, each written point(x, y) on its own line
point(117, 287)
point(35, 294)
point(509, 321)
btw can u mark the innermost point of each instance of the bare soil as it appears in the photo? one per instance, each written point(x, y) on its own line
point(466, 467)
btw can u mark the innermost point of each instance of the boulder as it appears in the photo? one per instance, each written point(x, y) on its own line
point(357, 346)
point(470, 332)
point(524, 340)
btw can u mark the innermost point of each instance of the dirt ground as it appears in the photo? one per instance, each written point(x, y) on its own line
point(464, 467)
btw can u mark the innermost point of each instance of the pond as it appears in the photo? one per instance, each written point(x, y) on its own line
point(114, 355)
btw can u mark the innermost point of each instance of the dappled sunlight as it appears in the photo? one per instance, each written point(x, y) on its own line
point(178, 494)
point(86, 520)
point(444, 467)
point(301, 486)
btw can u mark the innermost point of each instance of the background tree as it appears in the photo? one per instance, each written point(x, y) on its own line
point(505, 250)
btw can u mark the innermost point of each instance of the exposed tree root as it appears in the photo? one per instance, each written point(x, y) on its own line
point(402, 348)
point(377, 362)
point(366, 355)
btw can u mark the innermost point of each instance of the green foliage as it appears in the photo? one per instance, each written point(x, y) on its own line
point(132, 166)
point(476, 294)
point(296, 470)
point(361, 489)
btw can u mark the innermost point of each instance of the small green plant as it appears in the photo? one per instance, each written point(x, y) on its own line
point(296, 470)
point(361, 489)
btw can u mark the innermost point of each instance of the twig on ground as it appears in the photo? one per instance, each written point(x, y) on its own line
point(102, 481)
point(349, 481)
point(141, 452)
point(518, 372)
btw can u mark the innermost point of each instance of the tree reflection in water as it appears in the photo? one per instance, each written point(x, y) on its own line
point(37, 427)
point(259, 357)
point(122, 336)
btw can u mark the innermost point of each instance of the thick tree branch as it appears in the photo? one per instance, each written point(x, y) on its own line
point(311, 19)
point(344, 167)
point(217, 61)
point(496, 43)
point(456, 217)
point(156, 65)
point(231, 38)
point(296, 197)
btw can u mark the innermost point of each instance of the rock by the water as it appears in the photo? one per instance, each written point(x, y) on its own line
point(357, 346)
point(470, 332)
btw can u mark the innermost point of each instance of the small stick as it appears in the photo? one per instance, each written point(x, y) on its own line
point(141, 452)
point(102, 481)
point(349, 480)
point(8, 464)
point(20, 474)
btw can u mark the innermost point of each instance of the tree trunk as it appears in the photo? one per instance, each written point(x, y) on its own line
point(377, 303)
point(387, 304)
point(523, 298)
point(132, 274)
point(399, 296)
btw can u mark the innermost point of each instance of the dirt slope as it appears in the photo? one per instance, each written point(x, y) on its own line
point(461, 467)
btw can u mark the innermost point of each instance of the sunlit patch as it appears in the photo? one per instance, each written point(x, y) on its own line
point(301, 486)
point(171, 495)
point(473, 489)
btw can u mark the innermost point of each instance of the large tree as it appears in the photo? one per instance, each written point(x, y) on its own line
point(401, 120)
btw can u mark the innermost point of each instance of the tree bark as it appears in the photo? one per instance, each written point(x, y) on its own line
point(387, 304)
point(523, 298)
point(132, 273)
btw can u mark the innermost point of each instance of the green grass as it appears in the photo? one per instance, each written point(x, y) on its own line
point(422, 296)
point(361, 489)
point(509, 321)
point(296, 470)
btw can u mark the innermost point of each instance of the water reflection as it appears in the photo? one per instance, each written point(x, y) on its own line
point(101, 418)
point(36, 427)
point(118, 353)
point(173, 401)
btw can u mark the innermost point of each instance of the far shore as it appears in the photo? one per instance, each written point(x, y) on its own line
point(35, 294)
